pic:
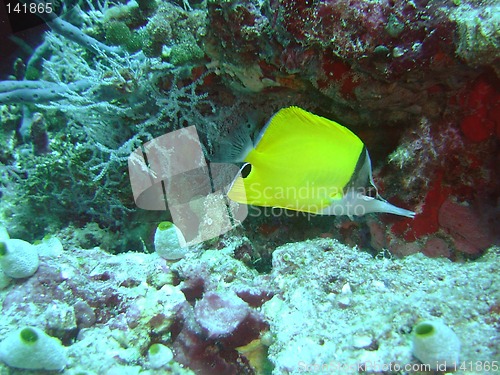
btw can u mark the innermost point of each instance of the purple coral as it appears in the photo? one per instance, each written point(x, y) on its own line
point(220, 314)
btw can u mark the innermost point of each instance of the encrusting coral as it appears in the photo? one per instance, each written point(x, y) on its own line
point(322, 303)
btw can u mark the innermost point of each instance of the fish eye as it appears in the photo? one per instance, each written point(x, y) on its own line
point(245, 171)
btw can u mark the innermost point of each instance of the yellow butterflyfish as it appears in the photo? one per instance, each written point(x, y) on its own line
point(308, 163)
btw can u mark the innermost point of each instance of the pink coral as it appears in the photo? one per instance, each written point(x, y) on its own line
point(465, 227)
point(378, 234)
point(436, 247)
point(220, 314)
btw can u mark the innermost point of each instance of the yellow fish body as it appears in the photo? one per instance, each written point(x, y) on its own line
point(308, 163)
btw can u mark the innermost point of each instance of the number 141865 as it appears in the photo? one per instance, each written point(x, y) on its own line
point(33, 8)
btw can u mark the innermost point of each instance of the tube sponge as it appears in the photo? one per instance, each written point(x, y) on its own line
point(49, 246)
point(168, 241)
point(435, 344)
point(159, 355)
point(32, 349)
point(18, 258)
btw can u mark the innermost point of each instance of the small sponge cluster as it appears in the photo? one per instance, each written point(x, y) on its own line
point(18, 258)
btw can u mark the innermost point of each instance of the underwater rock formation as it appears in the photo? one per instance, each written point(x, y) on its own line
point(323, 305)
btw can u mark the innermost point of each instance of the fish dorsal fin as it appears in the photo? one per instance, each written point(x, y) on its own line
point(296, 121)
point(234, 147)
point(241, 145)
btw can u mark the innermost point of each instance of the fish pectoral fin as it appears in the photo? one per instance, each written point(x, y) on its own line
point(237, 191)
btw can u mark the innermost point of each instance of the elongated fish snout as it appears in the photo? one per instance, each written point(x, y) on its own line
point(356, 204)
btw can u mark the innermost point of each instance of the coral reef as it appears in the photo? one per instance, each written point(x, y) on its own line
point(422, 75)
point(285, 292)
point(350, 309)
point(323, 305)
